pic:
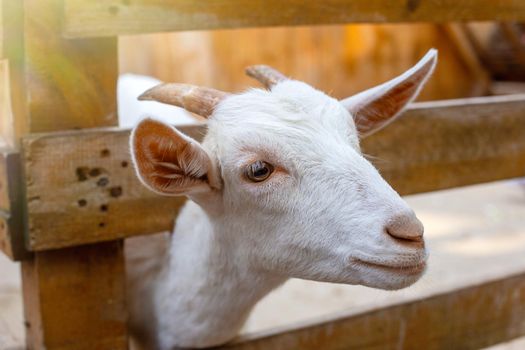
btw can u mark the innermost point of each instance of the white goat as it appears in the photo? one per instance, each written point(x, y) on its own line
point(278, 189)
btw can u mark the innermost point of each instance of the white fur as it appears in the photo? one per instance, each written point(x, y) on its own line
point(321, 216)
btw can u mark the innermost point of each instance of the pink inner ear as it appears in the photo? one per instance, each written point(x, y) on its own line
point(385, 107)
point(169, 162)
point(376, 107)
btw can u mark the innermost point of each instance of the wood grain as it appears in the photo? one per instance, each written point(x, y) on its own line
point(12, 241)
point(99, 197)
point(467, 317)
point(469, 57)
point(116, 17)
point(432, 146)
point(73, 298)
point(342, 60)
point(11, 220)
point(444, 144)
point(72, 82)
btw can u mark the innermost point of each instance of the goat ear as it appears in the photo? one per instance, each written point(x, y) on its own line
point(169, 162)
point(374, 108)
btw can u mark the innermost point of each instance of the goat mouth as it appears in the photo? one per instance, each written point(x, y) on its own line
point(411, 269)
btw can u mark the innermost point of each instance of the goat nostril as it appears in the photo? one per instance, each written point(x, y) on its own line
point(405, 227)
point(407, 238)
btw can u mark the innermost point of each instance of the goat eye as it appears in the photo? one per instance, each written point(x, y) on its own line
point(258, 171)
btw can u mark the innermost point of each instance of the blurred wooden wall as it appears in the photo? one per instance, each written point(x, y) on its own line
point(340, 60)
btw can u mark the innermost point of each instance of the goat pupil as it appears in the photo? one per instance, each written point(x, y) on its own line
point(260, 172)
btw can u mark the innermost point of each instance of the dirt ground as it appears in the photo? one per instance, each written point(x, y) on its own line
point(473, 233)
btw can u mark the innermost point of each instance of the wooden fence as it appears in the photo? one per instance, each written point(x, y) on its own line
point(59, 60)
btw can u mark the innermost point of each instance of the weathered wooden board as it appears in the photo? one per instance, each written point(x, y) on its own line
point(72, 83)
point(81, 188)
point(116, 17)
point(73, 298)
point(96, 195)
point(444, 144)
point(11, 207)
point(341, 59)
point(471, 317)
point(11, 229)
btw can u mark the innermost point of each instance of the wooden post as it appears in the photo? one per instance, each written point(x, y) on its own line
point(74, 298)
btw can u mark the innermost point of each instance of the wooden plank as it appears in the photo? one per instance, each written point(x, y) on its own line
point(507, 87)
point(72, 82)
point(12, 241)
point(471, 317)
point(76, 298)
point(445, 144)
point(341, 59)
point(432, 146)
point(11, 207)
point(99, 198)
point(471, 61)
point(5, 236)
point(73, 298)
point(116, 17)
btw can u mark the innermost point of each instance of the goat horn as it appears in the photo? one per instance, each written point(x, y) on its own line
point(266, 75)
point(195, 99)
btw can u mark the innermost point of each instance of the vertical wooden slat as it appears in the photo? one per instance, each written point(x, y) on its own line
point(11, 233)
point(71, 83)
point(74, 298)
point(11, 207)
point(470, 59)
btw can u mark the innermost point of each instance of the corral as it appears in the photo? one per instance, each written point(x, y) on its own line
point(52, 199)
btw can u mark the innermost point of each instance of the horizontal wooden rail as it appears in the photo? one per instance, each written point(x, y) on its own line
point(471, 317)
point(452, 143)
point(81, 188)
point(117, 17)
